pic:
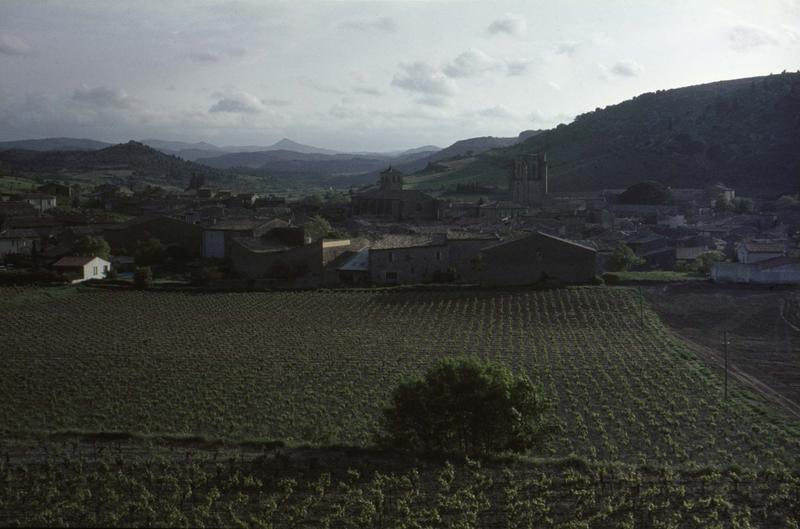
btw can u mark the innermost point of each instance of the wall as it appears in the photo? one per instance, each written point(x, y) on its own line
point(528, 260)
point(412, 265)
point(300, 266)
point(745, 273)
point(214, 243)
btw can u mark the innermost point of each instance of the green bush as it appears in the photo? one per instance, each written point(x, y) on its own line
point(597, 280)
point(611, 278)
point(466, 406)
point(623, 259)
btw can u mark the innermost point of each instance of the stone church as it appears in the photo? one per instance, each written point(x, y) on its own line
point(527, 182)
point(392, 201)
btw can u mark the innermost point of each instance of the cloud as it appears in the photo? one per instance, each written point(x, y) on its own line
point(622, 69)
point(515, 25)
point(745, 37)
point(434, 101)
point(568, 47)
point(237, 103)
point(367, 90)
point(474, 63)
point(498, 111)
point(13, 45)
point(516, 67)
point(105, 97)
point(207, 56)
point(387, 24)
point(471, 63)
point(421, 78)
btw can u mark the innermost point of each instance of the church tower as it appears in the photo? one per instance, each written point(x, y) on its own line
point(391, 180)
point(527, 183)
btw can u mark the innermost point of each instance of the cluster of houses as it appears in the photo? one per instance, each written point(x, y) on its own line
point(396, 235)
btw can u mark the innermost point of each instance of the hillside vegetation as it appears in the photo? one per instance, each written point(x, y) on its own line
point(743, 132)
point(144, 160)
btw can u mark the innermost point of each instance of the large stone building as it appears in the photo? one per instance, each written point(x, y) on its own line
point(391, 200)
point(534, 258)
point(527, 183)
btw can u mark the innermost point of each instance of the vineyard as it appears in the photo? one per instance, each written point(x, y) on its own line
point(316, 367)
point(272, 490)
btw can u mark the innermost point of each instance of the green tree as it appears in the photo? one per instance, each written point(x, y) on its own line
point(623, 259)
point(467, 406)
point(743, 205)
point(723, 205)
point(646, 193)
point(317, 227)
point(705, 262)
point(150, 252)
point(92, 247)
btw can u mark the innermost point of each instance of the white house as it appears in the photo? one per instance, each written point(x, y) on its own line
point(83, 268)
point(41, 201)
point(750, 252)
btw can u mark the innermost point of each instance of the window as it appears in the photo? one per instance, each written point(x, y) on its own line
point(408, 257)
point(412, 269)
point(105, 268)
point(419, 206)
point(94, 268)
point(438, 256)
point(391, 276)
point(391, 257)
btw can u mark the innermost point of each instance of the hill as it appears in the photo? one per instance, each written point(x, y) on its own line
point(55, 144)
point(743, 132)
point(143, 160)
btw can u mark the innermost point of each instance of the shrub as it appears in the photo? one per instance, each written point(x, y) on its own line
point(611, 278)
point(597, 280)
point(466, 406)
point(142, 277)
point(623, 259)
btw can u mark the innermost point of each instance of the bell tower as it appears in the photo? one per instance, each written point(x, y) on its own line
point(527, 183)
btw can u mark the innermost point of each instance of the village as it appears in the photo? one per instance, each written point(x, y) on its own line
point(386, 234)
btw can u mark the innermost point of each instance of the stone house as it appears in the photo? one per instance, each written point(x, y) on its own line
point(775, 271)
point(218, 238)
point(18, 241)
point(408, 259)
point(754, 251)
point(41, 202)
point(534, 258)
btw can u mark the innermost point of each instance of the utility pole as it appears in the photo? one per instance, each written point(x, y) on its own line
point(641, 307)
point(725, 340)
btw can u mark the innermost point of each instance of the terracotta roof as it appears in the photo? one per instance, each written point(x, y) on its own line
point(777, 262)
point(69, 262)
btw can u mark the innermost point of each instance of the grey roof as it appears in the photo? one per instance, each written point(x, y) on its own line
point(237, 225)
point(540, 233)
point(392, 242)
point(261, 245)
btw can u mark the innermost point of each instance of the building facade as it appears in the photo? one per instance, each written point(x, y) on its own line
point(527, 183)
point(392, 201)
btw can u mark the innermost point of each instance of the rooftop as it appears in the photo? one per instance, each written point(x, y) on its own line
point(69, 262)
point(391, 242)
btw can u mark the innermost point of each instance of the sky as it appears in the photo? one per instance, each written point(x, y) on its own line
point(367, 75)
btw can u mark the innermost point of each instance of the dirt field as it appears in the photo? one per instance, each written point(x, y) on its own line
point(762, 344)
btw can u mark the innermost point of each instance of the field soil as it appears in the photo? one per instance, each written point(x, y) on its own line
point(763, 338)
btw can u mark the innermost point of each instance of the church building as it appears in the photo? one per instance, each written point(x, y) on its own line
point(392, 201)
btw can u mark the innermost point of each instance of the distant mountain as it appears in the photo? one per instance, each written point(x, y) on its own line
point(743, 132)
point(55, 144)
point(176, 146)
point(144, 160)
